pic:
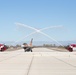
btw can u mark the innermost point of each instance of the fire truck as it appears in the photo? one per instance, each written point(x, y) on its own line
point(3, 47)
point(71, 47)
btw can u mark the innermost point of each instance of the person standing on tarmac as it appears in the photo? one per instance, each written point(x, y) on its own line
point(27, 47)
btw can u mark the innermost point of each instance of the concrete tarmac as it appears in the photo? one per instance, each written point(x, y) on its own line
point(41, 61)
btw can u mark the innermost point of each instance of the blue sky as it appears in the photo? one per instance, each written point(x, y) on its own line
point(38, 14)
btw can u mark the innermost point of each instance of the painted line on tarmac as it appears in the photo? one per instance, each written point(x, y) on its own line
point(64, 62)
point(10, 57)
point(30, 66)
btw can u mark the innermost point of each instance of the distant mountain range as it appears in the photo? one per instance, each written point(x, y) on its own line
point(39, 42)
